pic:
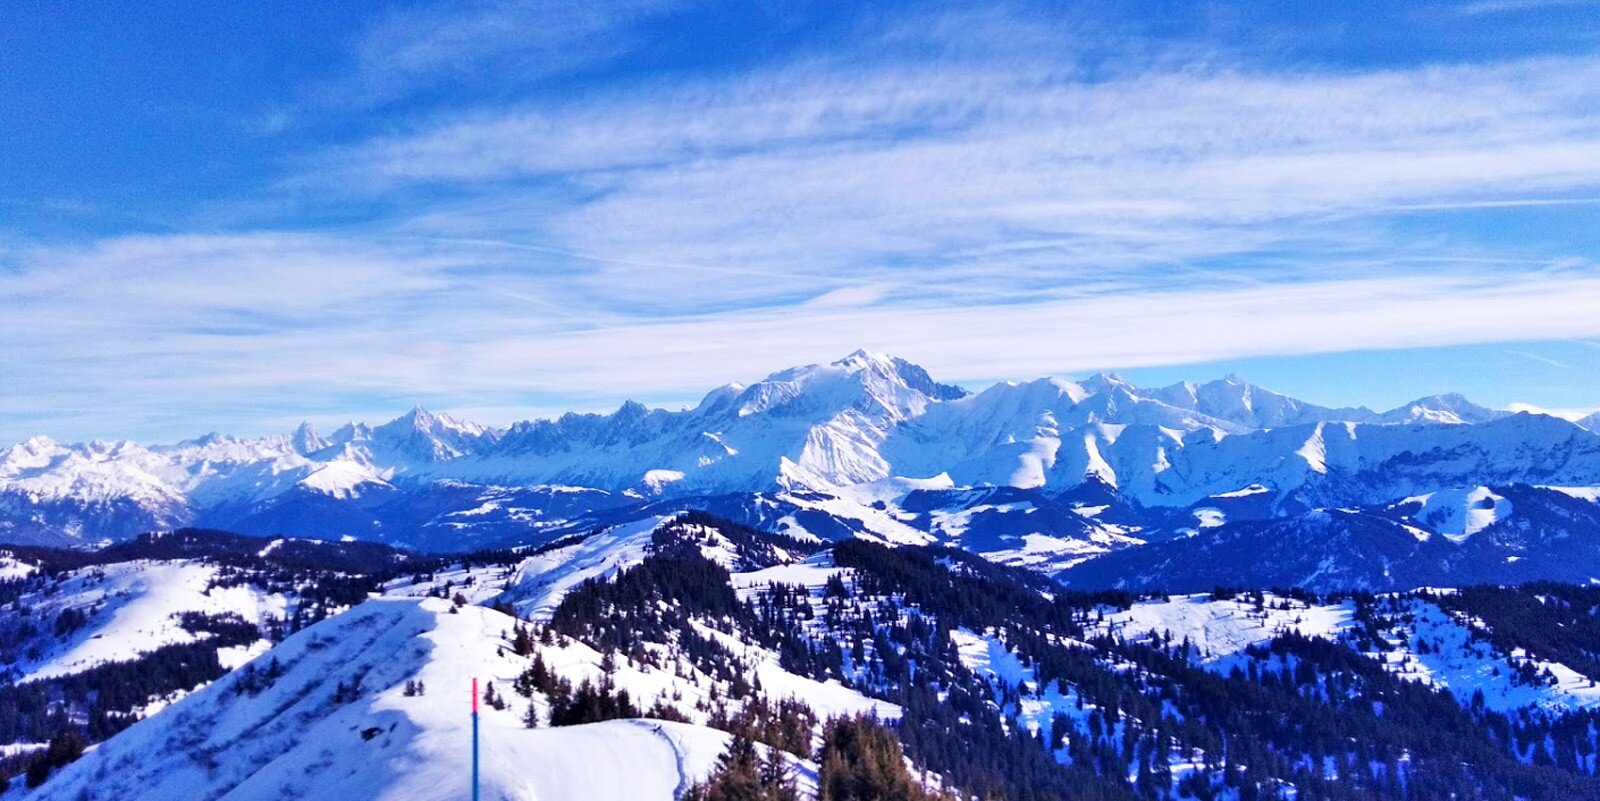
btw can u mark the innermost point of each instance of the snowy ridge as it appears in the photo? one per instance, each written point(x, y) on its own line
point(536, 585)
point(1460, 513)
point(338, 722)
point(302, 737)
point(541, 581)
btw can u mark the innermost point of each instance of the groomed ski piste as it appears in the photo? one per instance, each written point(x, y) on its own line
point(338, 723)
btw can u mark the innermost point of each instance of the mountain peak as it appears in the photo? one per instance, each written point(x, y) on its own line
point(419, 417)
point(428, 435)
point(210, 438)
point(305, 440)
point(911, 374)
point(630, 410)
point(33, 449)
point(418, 420)
point(721, 396)
point(874, 371)
point(1104, 381)
point(862, 358)
point(351, 432)
point(427, 422)
point(1450, 408)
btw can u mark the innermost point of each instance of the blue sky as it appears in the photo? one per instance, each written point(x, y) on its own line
point(233, 218)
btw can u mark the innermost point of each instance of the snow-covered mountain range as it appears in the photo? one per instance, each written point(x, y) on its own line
point(1045, 473)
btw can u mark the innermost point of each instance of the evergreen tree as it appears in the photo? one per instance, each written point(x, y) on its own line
point(741, 774)
point(862, 761)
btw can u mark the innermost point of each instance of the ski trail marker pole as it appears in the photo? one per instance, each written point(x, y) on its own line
point(474, 738)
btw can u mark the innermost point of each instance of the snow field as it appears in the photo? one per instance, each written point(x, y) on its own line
point(1221, 630)
point(140, 603)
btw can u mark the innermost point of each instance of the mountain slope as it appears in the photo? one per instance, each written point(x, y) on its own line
point(1484, 535)
point(1246, 405)
point(997, 681)
point(307, 734)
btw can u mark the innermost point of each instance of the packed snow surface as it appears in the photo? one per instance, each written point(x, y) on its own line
point(11, 569)
point(813, 573)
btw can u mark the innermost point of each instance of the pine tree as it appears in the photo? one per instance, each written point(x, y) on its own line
point(522, 643)
point(861, 761)
point(491, 698)
point(777, 779)
point(63, 750)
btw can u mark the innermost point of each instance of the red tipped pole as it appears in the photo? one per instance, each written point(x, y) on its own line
point(474, 738)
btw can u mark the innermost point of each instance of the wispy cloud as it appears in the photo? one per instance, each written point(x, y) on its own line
point(1480, 7)
point(1565, 414)
point(922, 189)
point(493, 42)
point(1534, 357)
point(946, 171)
point(268, 326)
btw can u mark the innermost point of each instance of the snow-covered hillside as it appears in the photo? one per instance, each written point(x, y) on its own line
point(133, 608)
point(372, 703)
point(676, 628)
point(1453, 537)
point(1220, 629)
point(337, 723)
point(1420, 641)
